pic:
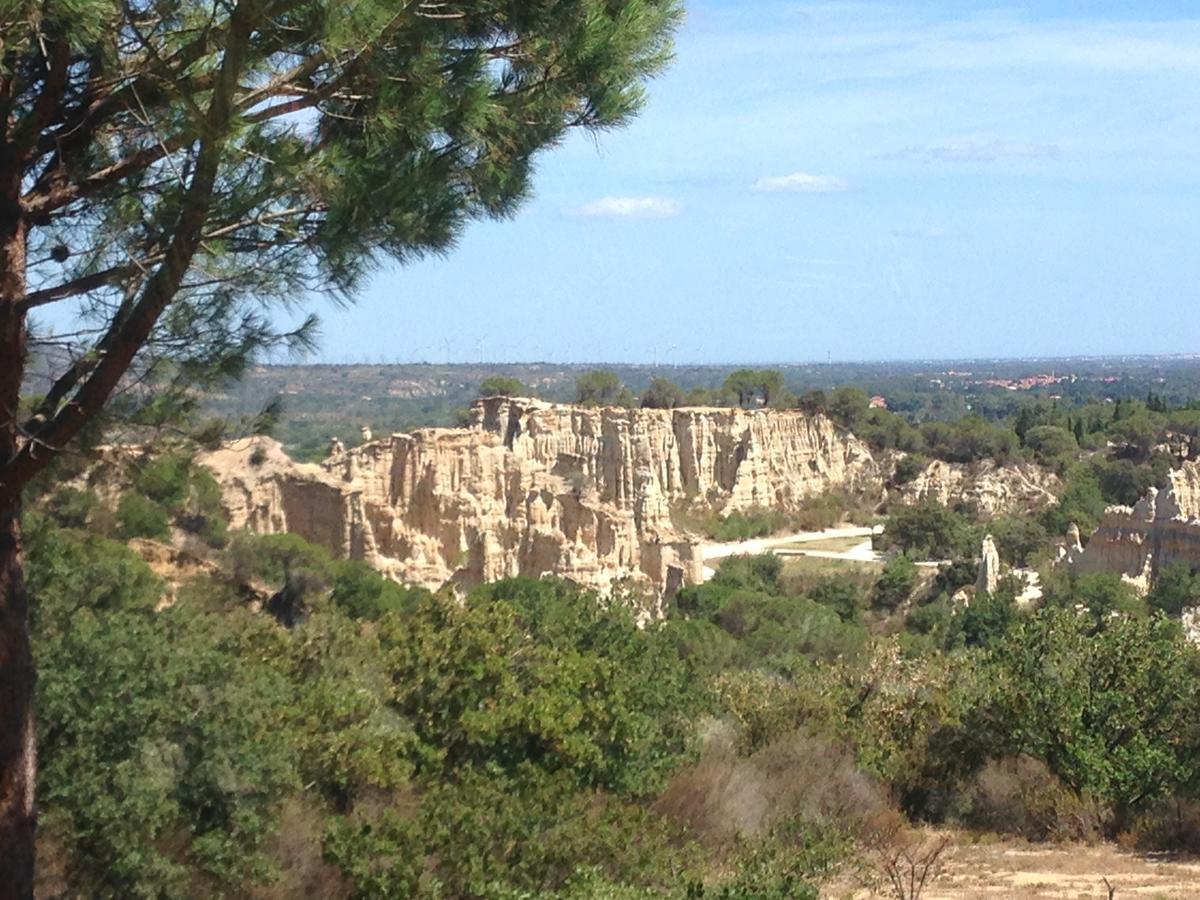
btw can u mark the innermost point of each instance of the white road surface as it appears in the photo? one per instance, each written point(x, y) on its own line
point(793, 545)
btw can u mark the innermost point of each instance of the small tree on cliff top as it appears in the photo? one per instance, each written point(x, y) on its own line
point(600, 386)
point(168, 167)
point(502, 386)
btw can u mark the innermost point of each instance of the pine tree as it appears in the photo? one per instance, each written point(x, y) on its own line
point(173, 166)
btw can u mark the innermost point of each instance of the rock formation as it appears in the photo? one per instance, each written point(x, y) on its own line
point(991, 488)
point(989, 567)
point(533, 488)
point(1162, 529)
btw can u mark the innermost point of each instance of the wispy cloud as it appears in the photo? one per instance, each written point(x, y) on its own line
point(629, 208)
point(974, 152)
point(800, 183)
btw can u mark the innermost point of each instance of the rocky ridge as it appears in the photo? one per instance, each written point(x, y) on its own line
point(992, 489)
point(599, 495)
point(1138, 541)
point(533, 488)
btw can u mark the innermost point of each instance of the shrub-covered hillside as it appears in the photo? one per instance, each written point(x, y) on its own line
point(337, 735)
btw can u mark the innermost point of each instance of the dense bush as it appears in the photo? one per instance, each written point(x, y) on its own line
point(896, 583)
point(1176, 589)
point(742, 526)
point(141, 517)
point(928, 530)
point(907, 468)
point(161, 756)
point(662, 394)
point(502, 386)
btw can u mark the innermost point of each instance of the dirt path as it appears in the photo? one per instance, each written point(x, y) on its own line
point(1007, 871)
point(791, 544)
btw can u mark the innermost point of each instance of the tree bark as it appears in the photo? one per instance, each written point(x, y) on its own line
point(18, 757)
point(18, 760)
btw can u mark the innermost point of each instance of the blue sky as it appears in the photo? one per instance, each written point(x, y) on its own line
point(873, 181)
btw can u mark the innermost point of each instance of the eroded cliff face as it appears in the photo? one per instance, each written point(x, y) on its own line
point(1137, 542)
point(533, 488)
point(992, 489)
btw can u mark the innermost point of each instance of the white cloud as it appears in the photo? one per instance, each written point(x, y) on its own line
point(974, 152)
point(800, 183)
point(629, 208)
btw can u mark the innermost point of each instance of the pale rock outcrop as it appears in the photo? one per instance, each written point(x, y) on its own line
point(1074, 539)
point(989, 567)
point(1163, 528)
point(533, 488)
point(993, 489)
point(1190, 620)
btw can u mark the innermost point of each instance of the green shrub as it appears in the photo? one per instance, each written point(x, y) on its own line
point(71, 507)
point(928, 530)
point(164, 479)
point(141, 517)
point(1175, 589)
point(907, 468)
point(841, 594)
point(161, 755)
point(743, 526)
point(895, 584)
point(362, 593)
point(502, 386)
point(1019, 539)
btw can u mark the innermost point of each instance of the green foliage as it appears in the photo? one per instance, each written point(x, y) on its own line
point(502, 386)
point(1108, 712)
point(1052, 445)
point(141, 517)
point(399, 132)
point(1081, 503)
point(928, 530)
point(742, 526)
point(164, 479)
point(598, 388)
point(1175, 589)
point(1019, 539)
point(161, 753)
point(1126, 481)
point(743, 619)
point(969, 439)
point(350, 743)
point(785, 865)
point(986, 620)
point(662, 394)
point(757, 387)
point(907, 468)
point(540, 674)
point(71, 507)
point(842, 595)
point(1099, 596)
point(849, 407)
point(757, 573)
point(896, 583)
point(362, 593)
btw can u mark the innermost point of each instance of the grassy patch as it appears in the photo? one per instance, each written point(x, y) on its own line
point(808, 566)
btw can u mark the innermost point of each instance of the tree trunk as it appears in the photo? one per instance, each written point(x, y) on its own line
point(18, 760)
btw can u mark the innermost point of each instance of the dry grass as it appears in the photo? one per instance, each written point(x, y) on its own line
point(1019, 871)
point(794, 566)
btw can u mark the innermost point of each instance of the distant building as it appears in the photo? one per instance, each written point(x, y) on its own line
point(878, 402)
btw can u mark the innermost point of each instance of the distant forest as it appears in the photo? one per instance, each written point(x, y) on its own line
point(318, 402)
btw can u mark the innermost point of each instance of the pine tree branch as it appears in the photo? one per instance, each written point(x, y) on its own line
point(128, 334)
